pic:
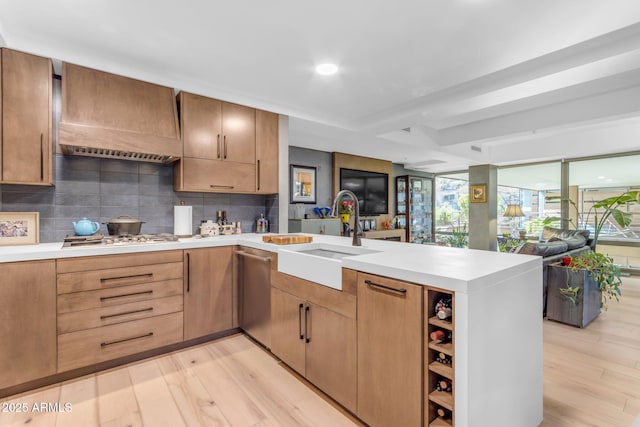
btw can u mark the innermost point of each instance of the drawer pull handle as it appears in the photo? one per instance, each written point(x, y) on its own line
point(110, 316)
point(388, 288)
point(41, 157)
point(108, 343)
point(126, 295)
point(300, 321)
point(306, 324)
point(188, 272)
point(135, 276)
point(258, 175)
point(221, 186)
point(256, 257)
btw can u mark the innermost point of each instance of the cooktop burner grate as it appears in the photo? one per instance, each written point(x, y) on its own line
point(121, 240)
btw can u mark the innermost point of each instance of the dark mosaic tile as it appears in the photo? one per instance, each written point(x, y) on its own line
point(156, 169)
point(120, 200)
point(67, 163)
point(119, 166)
point(77, 199)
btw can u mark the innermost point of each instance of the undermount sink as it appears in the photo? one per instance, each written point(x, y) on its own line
point(318, 262)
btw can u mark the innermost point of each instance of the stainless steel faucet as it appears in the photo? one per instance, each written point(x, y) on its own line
point(334, 208)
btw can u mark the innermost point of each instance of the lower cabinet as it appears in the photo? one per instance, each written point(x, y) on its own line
point(112, 306)
point(314, 338)
point(389, 351)
point(27, 321)
point(208, 291)
point(89, 346)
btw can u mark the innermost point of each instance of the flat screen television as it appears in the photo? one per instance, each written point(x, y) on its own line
point(371, 188)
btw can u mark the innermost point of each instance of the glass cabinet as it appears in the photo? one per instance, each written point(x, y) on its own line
point(414, 208)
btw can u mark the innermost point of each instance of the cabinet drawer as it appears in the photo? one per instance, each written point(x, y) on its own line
point(113, 277)
point(102, 262)
point(78, 301)
point(83, 348)
point(86, 319)
point(217, 175)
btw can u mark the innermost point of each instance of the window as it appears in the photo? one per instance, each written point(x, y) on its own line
point(528, 186)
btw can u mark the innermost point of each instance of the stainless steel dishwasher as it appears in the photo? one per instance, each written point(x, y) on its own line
point(254, 293)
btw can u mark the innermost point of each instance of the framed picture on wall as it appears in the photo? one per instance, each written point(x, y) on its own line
point(303, 184)
point(478, 193)
point(19, 228)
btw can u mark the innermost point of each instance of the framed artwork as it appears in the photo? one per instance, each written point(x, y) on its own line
point(303, 184)
point(478, 193)
point(19, 228)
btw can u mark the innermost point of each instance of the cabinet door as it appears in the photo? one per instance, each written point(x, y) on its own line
point(331, 353)
point(27, 321)
point(267, 151)
point(26, 118)
point(201, 126)
point(287, 329)
point(207, 291)
point(239, 133)
point(217, 176)
point(389, 352)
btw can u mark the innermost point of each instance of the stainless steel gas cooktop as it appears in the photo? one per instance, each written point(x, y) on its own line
point(122, 240)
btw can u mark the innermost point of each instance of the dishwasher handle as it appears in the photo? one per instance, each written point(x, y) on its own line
point(257, 257)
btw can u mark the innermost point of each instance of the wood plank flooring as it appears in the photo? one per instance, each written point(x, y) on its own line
point(592, 375)
point(591, 378)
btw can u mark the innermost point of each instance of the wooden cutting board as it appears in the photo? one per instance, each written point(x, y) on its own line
point(286, 239)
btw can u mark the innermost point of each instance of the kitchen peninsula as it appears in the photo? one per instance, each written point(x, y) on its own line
point(494, 351)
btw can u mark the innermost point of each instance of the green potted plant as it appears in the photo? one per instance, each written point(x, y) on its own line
point(602, 211)
point(577, 292)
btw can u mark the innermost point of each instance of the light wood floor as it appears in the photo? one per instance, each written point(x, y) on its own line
point(591, 378)
point(592, 375)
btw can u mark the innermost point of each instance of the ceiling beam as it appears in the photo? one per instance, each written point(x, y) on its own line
point(614, 43)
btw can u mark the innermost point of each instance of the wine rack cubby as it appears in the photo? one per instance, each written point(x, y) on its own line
point(439, 358)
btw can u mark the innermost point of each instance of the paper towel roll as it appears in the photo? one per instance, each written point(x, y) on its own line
point(182, 221)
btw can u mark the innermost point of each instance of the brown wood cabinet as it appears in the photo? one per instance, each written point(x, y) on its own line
point(219, 146)
point(313, 330)
point(390, 325)
point(105, 114)
point(215, 176)
point(267, 152)
point(112, 306)
point(26, 111)
point(208, 291)
point(27, 321)
point(217, 130)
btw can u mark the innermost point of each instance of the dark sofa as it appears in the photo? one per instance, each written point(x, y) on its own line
point(553, 246)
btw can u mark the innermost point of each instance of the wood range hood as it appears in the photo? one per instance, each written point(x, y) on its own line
point(111, 116)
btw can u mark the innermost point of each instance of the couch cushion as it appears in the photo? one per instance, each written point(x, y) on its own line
point(543, 249)
point(573, 242)
point(550, 232)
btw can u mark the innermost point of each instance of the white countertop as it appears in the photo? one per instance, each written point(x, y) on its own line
point(460, 270)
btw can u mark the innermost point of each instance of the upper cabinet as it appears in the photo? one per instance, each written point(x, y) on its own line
point(217, 130)
point(267, 152)
point(107, 115)
point(227, 147)
point(26, 110)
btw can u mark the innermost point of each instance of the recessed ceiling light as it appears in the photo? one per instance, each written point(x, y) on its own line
point(326, 69)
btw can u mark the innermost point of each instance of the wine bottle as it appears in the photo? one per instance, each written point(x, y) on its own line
point(443, 358)
point(444, 384)
point(437, 335)
point(443, 413)
point(443, 308)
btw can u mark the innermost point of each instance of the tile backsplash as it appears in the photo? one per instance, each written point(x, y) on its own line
point(101, 189)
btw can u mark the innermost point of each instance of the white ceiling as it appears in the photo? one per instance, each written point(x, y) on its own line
point(475, 81)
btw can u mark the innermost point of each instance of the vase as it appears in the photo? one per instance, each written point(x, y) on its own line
point(345, 218)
